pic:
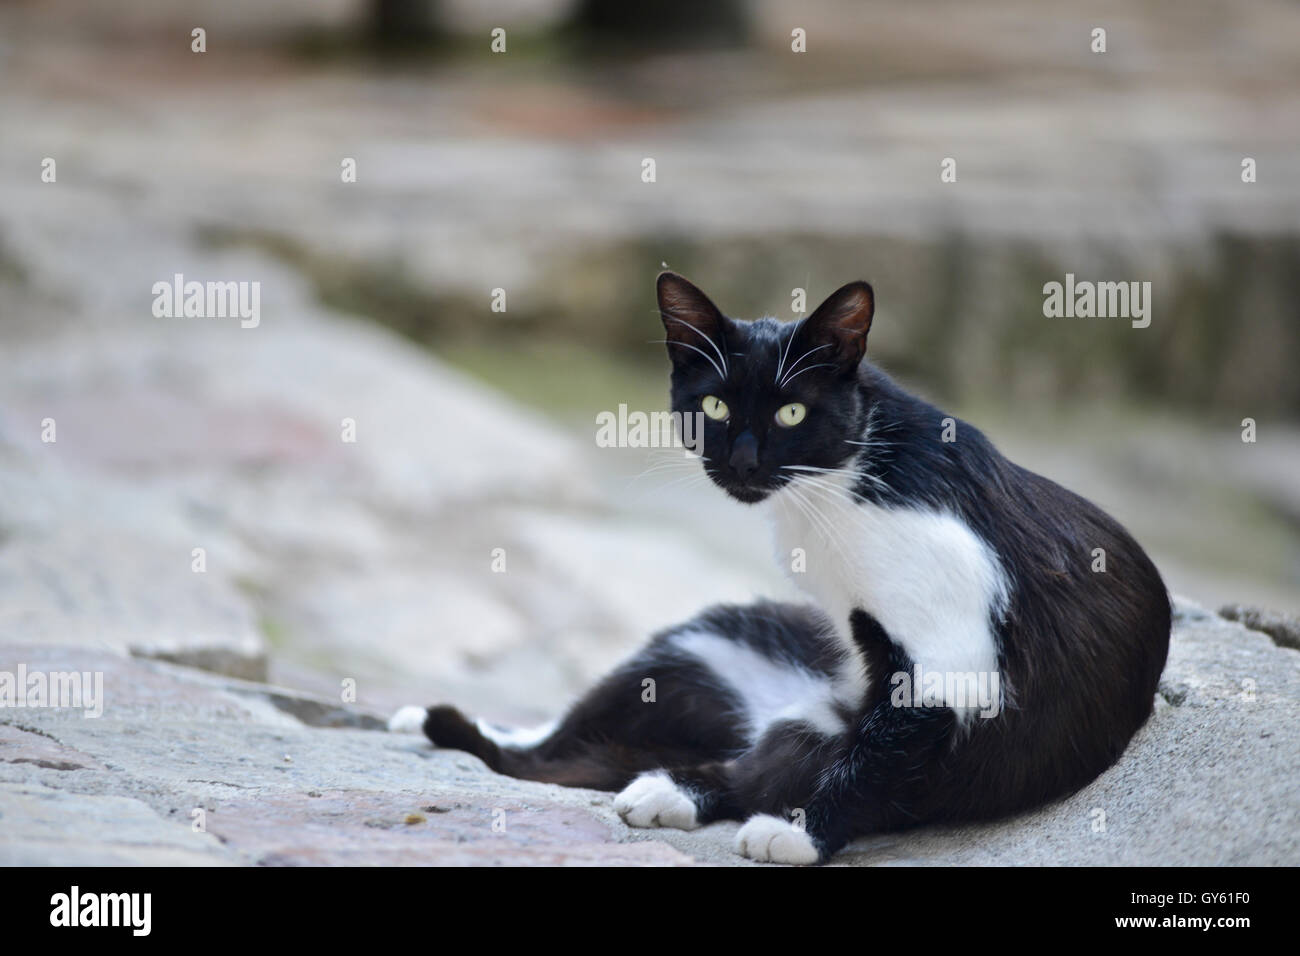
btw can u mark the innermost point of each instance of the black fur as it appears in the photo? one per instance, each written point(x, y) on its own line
point(1080, 653)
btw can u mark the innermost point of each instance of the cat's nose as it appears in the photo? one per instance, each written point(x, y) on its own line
point(744, 455)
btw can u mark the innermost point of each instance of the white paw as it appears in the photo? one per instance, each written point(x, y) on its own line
point(773, 840)
point(653, 800)
point(408, 720)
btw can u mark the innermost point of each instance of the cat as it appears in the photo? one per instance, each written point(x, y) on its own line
point(961, 658)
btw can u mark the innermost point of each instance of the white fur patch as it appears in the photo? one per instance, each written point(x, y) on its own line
point(769, 690)
point(931, 582)
point(408, 720)
point(518, 737)
point(653, 800)
point(770, 839)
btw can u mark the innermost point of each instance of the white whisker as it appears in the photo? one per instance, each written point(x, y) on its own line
point(722, 358)
point(808, 369)
point(819, 519)
point(801, 358)
point(688, 345)
point(781, 363)
point(663, 466)
point(686, 481)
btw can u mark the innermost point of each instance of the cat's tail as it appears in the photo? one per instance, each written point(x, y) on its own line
point(530, 754)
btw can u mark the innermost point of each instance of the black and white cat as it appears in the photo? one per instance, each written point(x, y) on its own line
point(961, 658)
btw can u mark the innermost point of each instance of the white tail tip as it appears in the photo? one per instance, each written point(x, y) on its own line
point(408, 720)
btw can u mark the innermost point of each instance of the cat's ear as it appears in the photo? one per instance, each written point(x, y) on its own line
point(693, 324)
point(841, 323)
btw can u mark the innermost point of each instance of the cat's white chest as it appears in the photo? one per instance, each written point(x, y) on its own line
point(924, 575)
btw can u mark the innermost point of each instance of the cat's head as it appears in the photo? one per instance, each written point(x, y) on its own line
point(776, 398)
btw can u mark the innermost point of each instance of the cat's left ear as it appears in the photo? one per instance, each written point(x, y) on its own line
point(842, 323)
point(693, 323)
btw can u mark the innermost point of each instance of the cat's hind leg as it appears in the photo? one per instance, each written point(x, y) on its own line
point(665, 707)
point(698, 694)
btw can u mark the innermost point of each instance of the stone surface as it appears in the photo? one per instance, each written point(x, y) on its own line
point(272, 790)
point(1209, 780)
point(1283, 628)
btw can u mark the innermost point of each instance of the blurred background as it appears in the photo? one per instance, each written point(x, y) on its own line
point(522, 170)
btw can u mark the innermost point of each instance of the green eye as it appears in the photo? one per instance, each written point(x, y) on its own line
point(715, 408)
point(792, 414)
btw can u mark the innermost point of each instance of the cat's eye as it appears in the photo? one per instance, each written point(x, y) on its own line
point(715, 408)
point(792, 414)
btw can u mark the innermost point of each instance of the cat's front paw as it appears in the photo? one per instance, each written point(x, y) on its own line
point(770, 839)
point(653, 800)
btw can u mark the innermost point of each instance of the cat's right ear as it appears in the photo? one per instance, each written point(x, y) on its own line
point(841, 324)
point(693, 325)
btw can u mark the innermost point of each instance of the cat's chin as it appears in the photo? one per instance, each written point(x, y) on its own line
point(746, 494)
